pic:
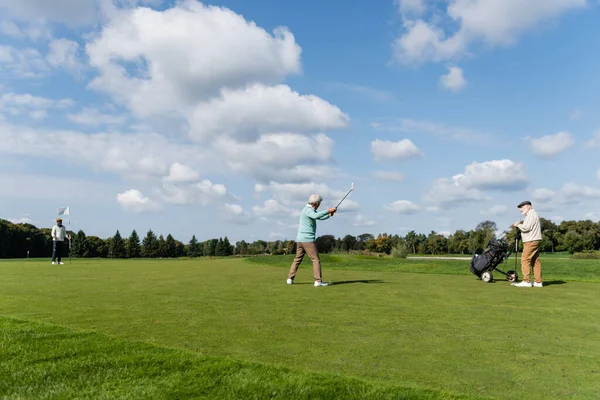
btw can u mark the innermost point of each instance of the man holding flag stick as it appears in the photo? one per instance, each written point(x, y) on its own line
point(59, 232)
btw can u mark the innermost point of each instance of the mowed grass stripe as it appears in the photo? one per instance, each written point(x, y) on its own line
point(555, 268)
point(443, 332)
point(48, 362)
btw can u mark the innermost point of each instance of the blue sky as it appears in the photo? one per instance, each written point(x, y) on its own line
point(190, 119)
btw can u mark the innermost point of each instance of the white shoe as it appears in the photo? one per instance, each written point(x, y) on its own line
point(290, 282)
point(61, 263)
point(522, 284)
point(53, 263)
point(535, 284)
point(317, 283)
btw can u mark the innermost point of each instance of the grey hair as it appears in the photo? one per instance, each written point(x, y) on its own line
point(314, 199)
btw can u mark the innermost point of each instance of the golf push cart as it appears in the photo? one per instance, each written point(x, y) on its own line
point(497, 251)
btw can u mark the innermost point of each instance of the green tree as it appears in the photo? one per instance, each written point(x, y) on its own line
point(80, 246)
point(349, 243)
point(325, 243)
point(162, 247)
point(133, 245)
point(150, 245)
point(170, 247)
point(117, 247)
point(411, 241)
point(241, 248)
point(227, 248)
point(193, 247)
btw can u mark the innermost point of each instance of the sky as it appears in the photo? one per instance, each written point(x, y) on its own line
point(220, 118)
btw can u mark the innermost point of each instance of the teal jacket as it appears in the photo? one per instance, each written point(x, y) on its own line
point(308, 224)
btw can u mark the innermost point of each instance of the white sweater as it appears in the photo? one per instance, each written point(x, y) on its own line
point(59, 233)
point(531, 227)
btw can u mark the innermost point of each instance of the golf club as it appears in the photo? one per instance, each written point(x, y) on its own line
point(351, 189)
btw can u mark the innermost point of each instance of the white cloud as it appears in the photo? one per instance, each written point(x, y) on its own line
point(283, 157)
point(259, 188)
point(495, 174)
point(63, 53)
point(593, 216)
point(411, 6)
point(403, 207)
point(131, 155)
point(572, 192)
point(38, 114)
point(181, 173)
point(70, 12)
point(22, 220)
point(203, 193)
point(246, 114)
point(34, 106)
point(489, 21)
point(598, 174)
point(296, 195)
point(386, 150)
point(173, 72)
point(454, 80)
point(9, 28)
point(551, 145)
point(361, 220)
point(30, 101)
point(23, 63)
point(557, 219)
point(272, 208)
point(576, 114)
point(446, 193)
point(543, 194)
point(134, 201)
point(93, 117)
point(366, 91)
point(389, 175)
point(594, 141)
point(235, 214)
point(495, 210)
point(44, 187)
point(411, 126)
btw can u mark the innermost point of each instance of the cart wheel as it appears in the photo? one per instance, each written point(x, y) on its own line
point(487, 276)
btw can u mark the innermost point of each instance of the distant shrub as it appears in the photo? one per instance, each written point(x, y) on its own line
point(400, 251)
point(587, 255)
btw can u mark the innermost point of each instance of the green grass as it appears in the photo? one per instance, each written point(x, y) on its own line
point(554, 268)
point(379, 329)
point(40, 361)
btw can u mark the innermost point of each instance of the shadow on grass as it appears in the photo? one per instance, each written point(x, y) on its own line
point(550, 283)
point(357, 281)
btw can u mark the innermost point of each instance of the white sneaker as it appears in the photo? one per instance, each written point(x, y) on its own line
point(317, 283)
point(61, 263)
point(522, 284)
point(290, 282)
point(535, 284)
point(53, 263)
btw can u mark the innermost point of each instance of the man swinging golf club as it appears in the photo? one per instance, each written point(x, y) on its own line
point(305, 240)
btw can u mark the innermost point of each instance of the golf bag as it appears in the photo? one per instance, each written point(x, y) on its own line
point(496, 252)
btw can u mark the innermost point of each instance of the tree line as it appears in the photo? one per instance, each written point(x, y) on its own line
point(26, 240)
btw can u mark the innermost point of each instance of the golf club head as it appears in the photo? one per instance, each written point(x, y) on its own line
point(352, 186)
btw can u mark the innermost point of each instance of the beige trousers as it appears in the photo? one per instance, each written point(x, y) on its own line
point(530, 256)
point(309, 248)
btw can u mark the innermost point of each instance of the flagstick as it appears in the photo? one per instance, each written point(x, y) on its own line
point(70, 237)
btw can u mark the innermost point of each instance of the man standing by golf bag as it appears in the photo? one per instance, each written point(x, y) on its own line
point(531, 234)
